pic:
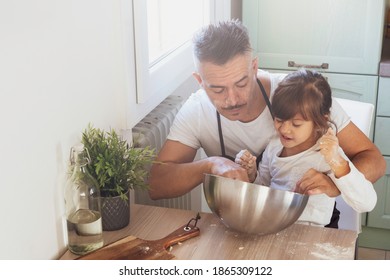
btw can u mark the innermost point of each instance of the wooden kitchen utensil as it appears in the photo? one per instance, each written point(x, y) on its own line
point(133, 248)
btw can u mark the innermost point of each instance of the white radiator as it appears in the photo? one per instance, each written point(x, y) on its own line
point(152, 131)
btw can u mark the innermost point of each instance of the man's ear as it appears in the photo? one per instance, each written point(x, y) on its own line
point(255, 63)
point(197, 77)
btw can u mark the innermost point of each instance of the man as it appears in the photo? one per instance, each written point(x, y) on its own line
point(230, 113)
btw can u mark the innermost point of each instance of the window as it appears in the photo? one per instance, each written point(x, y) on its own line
point(165, 33)
point(163, 30)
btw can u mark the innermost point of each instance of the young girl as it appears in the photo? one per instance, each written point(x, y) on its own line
point(306, 139)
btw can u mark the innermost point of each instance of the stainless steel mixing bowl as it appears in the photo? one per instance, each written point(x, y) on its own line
point(251, 208)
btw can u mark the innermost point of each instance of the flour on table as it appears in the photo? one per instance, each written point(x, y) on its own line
point(331, 252)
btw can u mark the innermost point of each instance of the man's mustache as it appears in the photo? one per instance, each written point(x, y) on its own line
point(233, 107)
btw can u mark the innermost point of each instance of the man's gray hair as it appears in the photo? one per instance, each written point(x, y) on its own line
point(220, 42)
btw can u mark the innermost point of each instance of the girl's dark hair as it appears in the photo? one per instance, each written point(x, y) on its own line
point(305, 92)
point(220, 42)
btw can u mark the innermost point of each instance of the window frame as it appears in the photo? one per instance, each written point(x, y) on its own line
point(162, 78)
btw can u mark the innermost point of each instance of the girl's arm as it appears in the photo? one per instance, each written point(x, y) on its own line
point(356, 190)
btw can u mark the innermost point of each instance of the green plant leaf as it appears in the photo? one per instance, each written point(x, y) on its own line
point(116, 165)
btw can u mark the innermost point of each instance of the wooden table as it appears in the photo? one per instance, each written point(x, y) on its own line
point(218, 242)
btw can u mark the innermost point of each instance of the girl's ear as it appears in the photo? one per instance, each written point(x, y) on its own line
point(321, 131)
point(327, 117)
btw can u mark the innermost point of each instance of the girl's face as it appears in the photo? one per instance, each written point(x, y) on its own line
point(296, 134)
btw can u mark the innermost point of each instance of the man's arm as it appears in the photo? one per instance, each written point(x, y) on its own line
point(175, 173)
point(362, 152)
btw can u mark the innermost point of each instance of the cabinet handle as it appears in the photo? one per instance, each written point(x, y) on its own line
point(322, 66)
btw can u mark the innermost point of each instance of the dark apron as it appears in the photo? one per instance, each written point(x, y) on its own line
point(336, 213)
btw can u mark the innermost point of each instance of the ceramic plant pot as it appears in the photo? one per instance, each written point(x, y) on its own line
point(115, 212)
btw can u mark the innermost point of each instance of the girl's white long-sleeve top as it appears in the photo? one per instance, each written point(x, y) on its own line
point(283, 173)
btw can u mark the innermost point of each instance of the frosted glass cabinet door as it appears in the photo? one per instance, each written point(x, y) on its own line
point(343, 36)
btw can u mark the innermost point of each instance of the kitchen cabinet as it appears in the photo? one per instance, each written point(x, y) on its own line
point(376, 232)
point(349, 86)
point(343, 40)
point(342, 36)
point(384, 96)
point(382, 128)
point(382, 134)
point(355, 87)
point(380, 216)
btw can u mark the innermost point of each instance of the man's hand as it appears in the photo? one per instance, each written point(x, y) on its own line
point(225, 167)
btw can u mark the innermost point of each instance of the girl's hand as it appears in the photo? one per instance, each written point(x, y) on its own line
point(329, 148)
point(314, 182)
point(247, 161)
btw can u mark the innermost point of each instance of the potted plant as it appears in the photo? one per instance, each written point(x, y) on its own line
point(117, 167)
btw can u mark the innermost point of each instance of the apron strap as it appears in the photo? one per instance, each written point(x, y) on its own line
point(221, 142)
point(334, 220)
point(264, 93)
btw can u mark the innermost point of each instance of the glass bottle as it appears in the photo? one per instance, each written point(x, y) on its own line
point(82, 204)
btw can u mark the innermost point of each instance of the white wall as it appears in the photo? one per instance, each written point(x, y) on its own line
point(62, 65)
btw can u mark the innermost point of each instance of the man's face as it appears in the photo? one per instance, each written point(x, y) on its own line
point(230, 87)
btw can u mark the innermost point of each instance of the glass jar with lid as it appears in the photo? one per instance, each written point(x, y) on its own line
point(82, 205)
